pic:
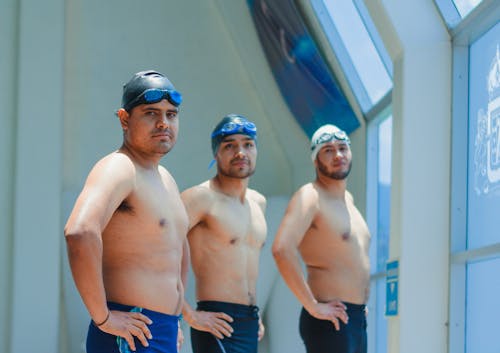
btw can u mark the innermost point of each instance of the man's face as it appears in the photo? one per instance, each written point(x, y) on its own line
point(151, 128)
point(236, 156)
point(334, 160)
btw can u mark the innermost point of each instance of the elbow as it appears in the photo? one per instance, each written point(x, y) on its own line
point(279, 251)
point(76, 236)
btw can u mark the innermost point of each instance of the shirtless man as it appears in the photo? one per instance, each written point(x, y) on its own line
point(126, 236)
point(322, 224)
point(227, 230)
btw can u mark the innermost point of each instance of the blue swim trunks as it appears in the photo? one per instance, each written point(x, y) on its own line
point(164, 330)
point(244, 339)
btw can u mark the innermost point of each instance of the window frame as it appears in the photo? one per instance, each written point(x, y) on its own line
point(477, 23)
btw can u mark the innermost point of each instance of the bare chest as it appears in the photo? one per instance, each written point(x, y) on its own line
point(236, 223)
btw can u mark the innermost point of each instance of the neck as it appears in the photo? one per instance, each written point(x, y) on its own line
point(333, 186)
point(234, 187)
point(145, 160)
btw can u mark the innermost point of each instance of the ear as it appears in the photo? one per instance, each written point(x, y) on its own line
point(123, 115)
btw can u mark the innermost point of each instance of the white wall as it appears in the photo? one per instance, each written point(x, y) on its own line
point(421, 171)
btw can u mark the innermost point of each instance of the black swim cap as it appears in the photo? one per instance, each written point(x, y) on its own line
point(139, 83)
point(232, 124)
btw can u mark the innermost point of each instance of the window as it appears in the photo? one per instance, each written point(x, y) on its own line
point(454, 11)
point(379, 156)
point(358, 48)
point(475, 238)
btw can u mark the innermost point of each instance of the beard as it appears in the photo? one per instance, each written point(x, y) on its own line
point(236, 172)
point(338, 175)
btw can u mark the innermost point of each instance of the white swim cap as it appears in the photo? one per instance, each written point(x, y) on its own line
point(325, 134)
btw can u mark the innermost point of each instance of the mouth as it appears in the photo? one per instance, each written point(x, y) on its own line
point(162, 135)
point(240, 162)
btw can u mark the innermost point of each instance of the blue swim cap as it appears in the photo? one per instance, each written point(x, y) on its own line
point(232, 124)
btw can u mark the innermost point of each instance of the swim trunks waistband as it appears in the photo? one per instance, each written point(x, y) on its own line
point(228, 308)
point(149, 313)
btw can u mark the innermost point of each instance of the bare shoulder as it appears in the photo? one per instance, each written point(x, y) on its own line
point(198, 200)
point(349, 196)
point(257, 197)
point(115, 164)
point(167, 177)
point(198, 192)
point(304, 200)
point(307, 195)
point(199, 197)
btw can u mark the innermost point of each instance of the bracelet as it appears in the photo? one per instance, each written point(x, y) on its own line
point(102, 323)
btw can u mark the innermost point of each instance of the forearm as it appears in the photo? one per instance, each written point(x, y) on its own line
point(288, 263)
point(85, 259)
point(187, 312)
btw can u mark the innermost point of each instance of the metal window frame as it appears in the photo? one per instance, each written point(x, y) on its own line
point(477, 23)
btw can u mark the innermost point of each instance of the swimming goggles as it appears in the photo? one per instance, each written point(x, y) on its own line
point(154, 95)
point(237, 127)
point(329, 136)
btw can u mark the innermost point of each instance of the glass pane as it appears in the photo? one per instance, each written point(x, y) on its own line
point(483, 310)
point(466, 6)
point(484, 141)
point(384, 191)
point(359, 45)
point(377, 323)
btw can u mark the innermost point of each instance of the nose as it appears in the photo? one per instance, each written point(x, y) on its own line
point(240, 152)
point(338, 154)
point(162, 122)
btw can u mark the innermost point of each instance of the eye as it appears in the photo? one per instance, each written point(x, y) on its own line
point(171, 115)
point(249, 145)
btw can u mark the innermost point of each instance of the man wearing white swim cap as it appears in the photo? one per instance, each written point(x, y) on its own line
point(323, 227)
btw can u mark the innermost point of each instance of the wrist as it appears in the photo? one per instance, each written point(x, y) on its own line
point(102, 322)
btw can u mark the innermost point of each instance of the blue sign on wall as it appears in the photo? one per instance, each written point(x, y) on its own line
point(392, 281)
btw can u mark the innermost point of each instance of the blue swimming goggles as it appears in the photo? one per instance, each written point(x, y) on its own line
point(330, 136)
point(154, 95)
point(239, 126)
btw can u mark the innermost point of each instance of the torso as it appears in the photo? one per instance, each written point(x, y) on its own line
point(335, 250)
point(143, 245)
point(225, 246)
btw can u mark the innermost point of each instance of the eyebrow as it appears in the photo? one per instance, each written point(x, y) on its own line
point(230, 139)
point(149, 108)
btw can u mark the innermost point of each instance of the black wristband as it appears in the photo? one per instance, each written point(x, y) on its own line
point(102, 323)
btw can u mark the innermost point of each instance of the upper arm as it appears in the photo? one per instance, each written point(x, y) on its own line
point(107, 185)
point(259, 199)
point(298, 218)
point(194, 200)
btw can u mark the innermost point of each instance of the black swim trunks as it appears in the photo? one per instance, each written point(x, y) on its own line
point(244, 338)
point(320, 336)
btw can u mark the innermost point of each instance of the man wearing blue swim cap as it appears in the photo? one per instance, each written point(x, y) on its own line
point(126, 236)
point(227, 230)
point(323, 228)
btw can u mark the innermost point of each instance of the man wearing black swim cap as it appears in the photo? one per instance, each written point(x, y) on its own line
point(227, 230)
point(126, 235)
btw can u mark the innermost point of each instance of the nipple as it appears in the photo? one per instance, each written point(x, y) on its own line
point(345, 236)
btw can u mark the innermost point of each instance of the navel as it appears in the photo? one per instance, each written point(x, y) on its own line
point(345, 236)
point(163, 222)
point(233, 241)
